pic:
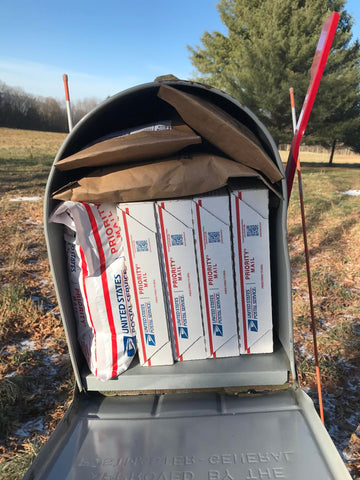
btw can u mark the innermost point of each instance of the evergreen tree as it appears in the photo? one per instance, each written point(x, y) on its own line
point(268, 48)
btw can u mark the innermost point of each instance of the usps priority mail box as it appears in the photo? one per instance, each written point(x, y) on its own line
point(178, 249)
point(138, 226)
point(250, 221)
point(211, 215)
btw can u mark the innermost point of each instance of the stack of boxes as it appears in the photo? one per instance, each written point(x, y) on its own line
point(199, 269)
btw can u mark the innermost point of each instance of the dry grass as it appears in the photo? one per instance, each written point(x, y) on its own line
point(323, 158)
point(333, 223)
point(35, 373)
point(24, 144)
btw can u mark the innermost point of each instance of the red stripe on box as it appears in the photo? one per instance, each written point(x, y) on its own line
point(198, 218)
point(128, 243)
point(168, 277)
point(85, 273)
point(238, 230)
point(105, 286)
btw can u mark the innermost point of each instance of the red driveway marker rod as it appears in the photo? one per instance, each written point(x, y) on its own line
point(67, 98)
point(293, 112)
point(307, 258)
point(316, 72)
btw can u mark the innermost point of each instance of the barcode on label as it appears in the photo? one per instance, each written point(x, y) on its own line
point(214, 237)
point(252, 230)
point(176, 240)
point(142, 246)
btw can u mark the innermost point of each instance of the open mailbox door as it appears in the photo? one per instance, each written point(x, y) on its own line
point(219, 418)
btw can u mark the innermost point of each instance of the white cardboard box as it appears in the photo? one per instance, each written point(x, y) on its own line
point(250, 220)
point(138, 226)
point(178, 249)
point(211, 215)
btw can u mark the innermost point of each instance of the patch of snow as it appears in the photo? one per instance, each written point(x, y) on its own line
point(304, 353)
point(353, 385)
point(28, 345)
point(24, 199)
point(346, 455)
point(353, 193)
point(353, 420)
point(29, 221)
point(29, 427)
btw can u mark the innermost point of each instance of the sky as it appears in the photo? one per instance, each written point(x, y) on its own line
point(104, 46)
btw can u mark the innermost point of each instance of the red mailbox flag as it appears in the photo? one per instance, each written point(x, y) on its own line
point(316, 72)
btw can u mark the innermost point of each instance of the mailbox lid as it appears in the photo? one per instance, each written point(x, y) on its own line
point(191, 436)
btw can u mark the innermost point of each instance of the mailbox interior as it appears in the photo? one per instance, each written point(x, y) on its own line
point(138, 106)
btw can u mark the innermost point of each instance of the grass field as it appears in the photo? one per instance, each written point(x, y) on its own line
point(339, 159)
point(36, 380)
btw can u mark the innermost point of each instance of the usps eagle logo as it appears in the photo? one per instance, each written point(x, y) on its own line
point(217, 330)
point(253, 325)
point(183, 332)
point(130, 346)
point(150, 339)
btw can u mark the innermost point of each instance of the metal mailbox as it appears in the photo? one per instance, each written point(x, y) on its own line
point(228, 418)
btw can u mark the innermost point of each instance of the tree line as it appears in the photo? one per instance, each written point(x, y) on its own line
point(269, 47)
point(19, 109)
